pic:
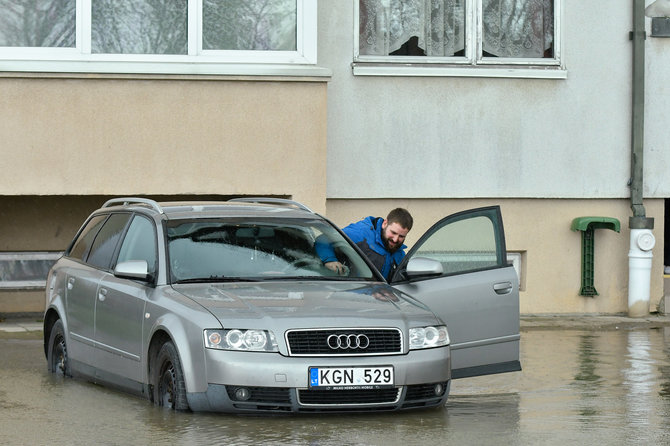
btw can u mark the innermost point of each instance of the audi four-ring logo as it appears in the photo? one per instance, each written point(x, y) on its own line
point(348, 341)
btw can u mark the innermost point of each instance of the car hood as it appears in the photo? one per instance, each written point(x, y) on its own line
point(284, 305)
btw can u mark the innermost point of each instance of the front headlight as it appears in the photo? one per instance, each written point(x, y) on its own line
point(428, 337)
point(241, 340)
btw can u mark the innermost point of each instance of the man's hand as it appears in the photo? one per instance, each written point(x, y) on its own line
point(336, 267)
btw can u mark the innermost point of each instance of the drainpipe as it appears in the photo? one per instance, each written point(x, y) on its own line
point(641, 237)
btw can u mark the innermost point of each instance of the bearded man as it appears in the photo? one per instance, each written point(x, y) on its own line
point(380, 239)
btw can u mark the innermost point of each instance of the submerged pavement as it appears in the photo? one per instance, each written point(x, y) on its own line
point(585, 380)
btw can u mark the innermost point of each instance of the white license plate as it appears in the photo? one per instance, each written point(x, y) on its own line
point(351, 377)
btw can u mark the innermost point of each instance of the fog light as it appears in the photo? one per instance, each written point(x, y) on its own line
point(439, 389)
point(242, 394)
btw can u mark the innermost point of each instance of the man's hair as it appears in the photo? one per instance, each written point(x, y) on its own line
point(400, 216)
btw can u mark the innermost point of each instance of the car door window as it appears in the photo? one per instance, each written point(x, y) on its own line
point(462, 245)
point(139, 243)
point(105, 242)
point(83, 243)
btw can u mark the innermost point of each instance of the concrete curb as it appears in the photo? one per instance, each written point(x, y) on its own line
point(592, 322)
point(20, 326)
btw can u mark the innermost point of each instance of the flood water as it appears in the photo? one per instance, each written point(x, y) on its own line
point(576, 387)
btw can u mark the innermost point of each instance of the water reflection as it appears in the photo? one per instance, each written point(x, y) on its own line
point(638, 379)
point(664, 370)
point(576, 387)
point(587, 379)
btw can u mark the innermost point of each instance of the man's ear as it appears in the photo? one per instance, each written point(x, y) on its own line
point(385, 223)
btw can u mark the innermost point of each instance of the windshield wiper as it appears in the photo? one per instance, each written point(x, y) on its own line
point(217, 279)
point(319, 278)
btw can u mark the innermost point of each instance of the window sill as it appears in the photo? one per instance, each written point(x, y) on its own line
point(45, 68)
point(367, 69)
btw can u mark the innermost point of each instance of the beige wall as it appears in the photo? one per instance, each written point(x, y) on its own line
point(68, 143)
point(117, 136)
point(551, 253)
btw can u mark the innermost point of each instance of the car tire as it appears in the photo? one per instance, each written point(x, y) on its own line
point(57, 358)
point(168, 382)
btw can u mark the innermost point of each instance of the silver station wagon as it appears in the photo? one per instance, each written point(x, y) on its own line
point(227, 307)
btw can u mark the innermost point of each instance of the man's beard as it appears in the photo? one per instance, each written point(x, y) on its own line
point(387, 244)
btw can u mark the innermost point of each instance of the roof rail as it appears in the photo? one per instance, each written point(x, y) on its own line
point(128, 200)
point(265, 200)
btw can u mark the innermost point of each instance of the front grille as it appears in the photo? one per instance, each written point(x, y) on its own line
point(348, 397)
point(315, 342)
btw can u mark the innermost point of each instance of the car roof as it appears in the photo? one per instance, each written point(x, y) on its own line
point(244, 207)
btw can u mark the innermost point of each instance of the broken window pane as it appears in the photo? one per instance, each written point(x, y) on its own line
point(412, 27)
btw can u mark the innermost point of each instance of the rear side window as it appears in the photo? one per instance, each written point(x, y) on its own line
point(82, 245)
point(105, 242)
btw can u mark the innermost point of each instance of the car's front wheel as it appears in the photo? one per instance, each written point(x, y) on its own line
point(168, 382)
point(57, 359)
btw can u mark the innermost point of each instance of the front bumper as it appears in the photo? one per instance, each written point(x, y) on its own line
point(275, 383)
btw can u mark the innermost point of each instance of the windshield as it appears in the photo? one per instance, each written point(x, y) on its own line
point(243, 249)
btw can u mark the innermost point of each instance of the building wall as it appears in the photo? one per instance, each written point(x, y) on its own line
point(350, 146)
point(546, 150)
point(118, 136)
point(71, 142)
point(539, 229)
point(471, 137)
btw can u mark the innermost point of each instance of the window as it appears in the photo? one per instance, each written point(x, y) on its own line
point(139, 243)
point(105, 242)
point(155, 35)
point(217, 249)
point(458, 33)
point(465, 245)
point(139, 27)
point(26, 23)
point(26, 270)
point(465, 242)
point(85, 239)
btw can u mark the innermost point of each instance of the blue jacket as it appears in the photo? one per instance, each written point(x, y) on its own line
point(367, 234)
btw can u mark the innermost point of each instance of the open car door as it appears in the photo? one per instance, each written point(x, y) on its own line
point(459, 269)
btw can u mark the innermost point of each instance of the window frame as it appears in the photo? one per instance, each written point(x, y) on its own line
point(472, 64)
point(50, 256)
point(153, 269)
point(197, 61)
point(84, 231)
point(114, 240)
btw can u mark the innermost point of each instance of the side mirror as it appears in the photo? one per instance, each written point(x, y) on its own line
point(423, 267)
point(133, 269)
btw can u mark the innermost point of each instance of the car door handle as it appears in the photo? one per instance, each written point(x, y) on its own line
point(503, 287)
point(70, 283)
point(102, 294)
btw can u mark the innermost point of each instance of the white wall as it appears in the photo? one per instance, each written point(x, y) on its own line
point(489, 137)
point(657, 116)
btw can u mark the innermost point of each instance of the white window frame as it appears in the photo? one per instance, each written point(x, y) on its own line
point(470, 65)
point(197, 61)
point(23, 257)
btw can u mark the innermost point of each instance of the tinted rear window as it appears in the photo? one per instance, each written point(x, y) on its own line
point(82, 245)
point(105, 242)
